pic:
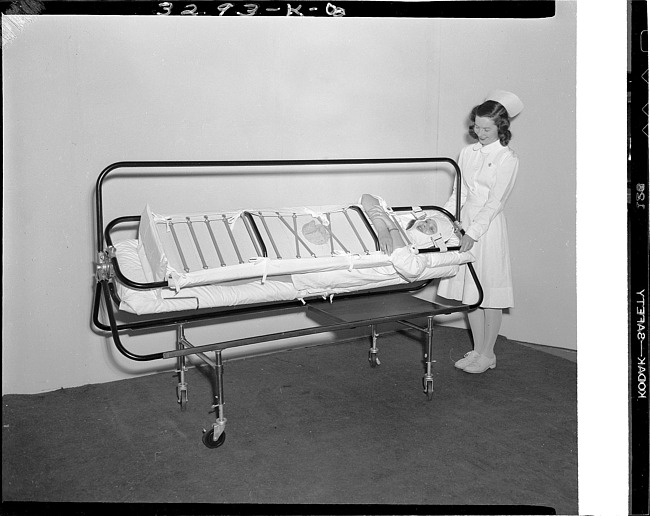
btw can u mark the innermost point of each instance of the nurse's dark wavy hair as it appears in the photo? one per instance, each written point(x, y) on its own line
point(496, 112)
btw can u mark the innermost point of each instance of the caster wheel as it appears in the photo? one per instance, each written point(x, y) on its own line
point(182, 399)
point(210, 442)
point(374, 361)
point(428, 389)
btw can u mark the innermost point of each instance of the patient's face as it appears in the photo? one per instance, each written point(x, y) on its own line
point(427, 226)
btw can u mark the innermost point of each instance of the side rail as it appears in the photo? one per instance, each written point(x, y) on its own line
point(153, 167)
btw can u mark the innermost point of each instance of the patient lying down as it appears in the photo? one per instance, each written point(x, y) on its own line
point(423, 230)
point(393, 232)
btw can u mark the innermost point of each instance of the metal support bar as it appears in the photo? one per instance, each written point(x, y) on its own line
point(269, 337)
point(295, 232)
point(298, 239)
point(178, 245)
point(329, 227)
point(181, 389)
point(214, 241)
point(268, 232)
point(202, 356)
point(196, 242)
point(232, 238)
point(413, 326)
point(219, 426)
point(428, 357)
point(372, 353)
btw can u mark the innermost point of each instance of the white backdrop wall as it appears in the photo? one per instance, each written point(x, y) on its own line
point(83, 92)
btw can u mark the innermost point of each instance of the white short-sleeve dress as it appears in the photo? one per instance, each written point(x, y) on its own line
point(488, 175)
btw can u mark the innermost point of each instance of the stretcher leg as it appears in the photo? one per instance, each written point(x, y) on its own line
point(181, 369)
point(427, 381)
point(215, 436)
point(372, 353)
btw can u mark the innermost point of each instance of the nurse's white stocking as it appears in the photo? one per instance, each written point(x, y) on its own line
point(493, 317)
point(477, 325)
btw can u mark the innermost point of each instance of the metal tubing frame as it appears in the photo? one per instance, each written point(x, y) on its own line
point(220, 423)
point(428, 375)
point(105, 285)
point(109, 267)
point(373, 352)
point(180, 364)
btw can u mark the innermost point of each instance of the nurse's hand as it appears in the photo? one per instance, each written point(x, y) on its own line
point(466, 243)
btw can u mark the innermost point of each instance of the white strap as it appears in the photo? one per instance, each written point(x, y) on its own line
point(439, 242)
point(263, 261)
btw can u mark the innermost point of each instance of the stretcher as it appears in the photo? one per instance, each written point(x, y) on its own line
point(217, 266)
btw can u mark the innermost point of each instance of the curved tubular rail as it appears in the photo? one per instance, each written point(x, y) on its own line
point(116, 267)
point(114, 295)
point(427, 207)
point(443, 211)
point(453, 248)
point(103, 286)
point(113, 223)
point(478, 286)
point(261, 163)
point(256, 231)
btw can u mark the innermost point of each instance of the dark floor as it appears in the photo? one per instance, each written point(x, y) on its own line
point(311, 426)
point(568, 354)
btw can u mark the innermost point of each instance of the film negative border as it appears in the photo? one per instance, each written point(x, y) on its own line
point(638, 256)
point(517, 9)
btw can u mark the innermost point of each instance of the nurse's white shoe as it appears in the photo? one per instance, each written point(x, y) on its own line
point(480, 364)
point(466, 360)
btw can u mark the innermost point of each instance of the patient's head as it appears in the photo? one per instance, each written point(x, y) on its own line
point(427, 226)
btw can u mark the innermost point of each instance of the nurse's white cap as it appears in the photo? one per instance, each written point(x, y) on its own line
point(508, 100)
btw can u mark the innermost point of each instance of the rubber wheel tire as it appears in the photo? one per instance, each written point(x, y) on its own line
point(428, 388)
point(181, 397)
point(209, 441)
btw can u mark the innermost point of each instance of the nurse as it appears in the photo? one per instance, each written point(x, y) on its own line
point(489, 170)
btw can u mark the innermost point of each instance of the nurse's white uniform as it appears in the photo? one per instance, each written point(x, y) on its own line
point(488, 175)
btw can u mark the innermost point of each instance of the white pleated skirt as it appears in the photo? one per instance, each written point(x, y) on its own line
point(492, 265)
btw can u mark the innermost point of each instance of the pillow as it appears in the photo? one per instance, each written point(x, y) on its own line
point(150, 248)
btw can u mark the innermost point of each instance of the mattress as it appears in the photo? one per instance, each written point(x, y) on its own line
point(405, 265)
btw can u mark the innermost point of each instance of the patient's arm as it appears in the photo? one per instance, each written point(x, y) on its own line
point(389, 235)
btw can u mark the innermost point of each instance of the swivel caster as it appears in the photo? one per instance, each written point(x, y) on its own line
point(428, 388)
point(208, 439)
point(181, 396)
point(373, 359)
